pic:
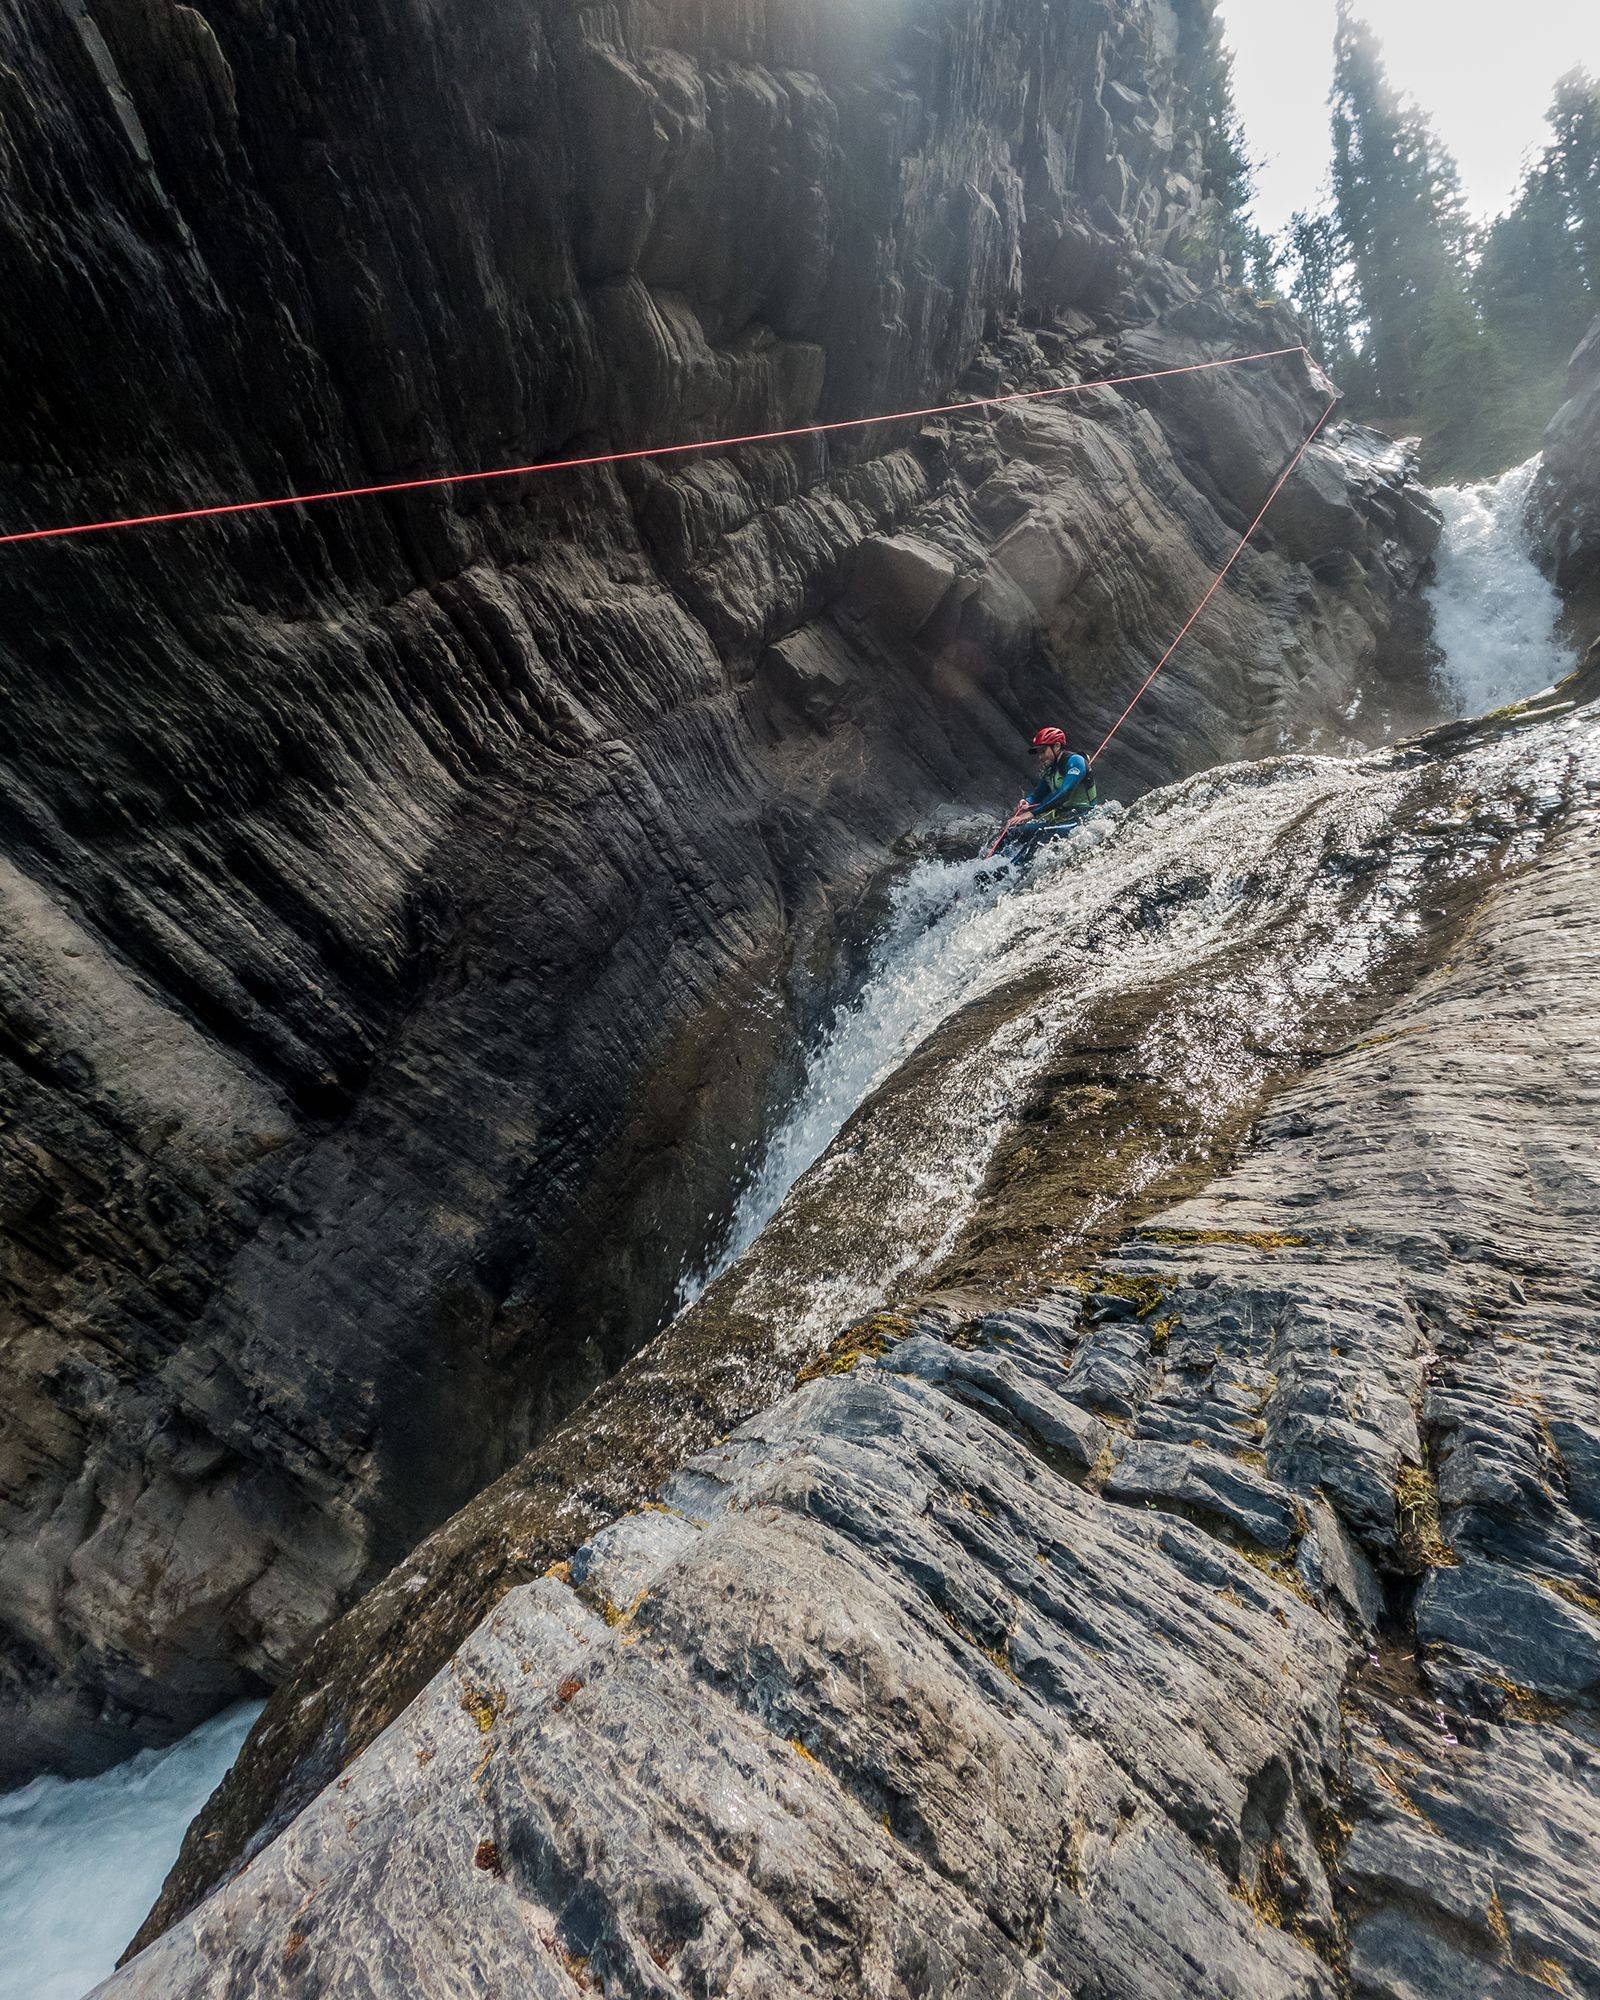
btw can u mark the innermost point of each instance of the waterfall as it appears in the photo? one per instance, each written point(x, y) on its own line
point(1494, 611)
point(956, 930)
point(943, 944)
point(82, 1859)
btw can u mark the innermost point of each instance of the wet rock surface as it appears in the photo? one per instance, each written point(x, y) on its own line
point(1565, 503)
point(385, 886)
point(896, 1741)
point(1213, 1612)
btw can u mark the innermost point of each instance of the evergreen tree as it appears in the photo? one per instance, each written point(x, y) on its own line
point(1420, 320)
point(1227, 173)
point(1398, 205)
point(1263, 261)
point(1468, 396)
point(1538, 278)
point(1529, 279)
point(1573, 158)
point(1314, 258)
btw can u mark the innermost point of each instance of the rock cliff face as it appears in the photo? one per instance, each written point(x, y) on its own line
point(1196, 1597)
point(1566, 501)
point(383, 884)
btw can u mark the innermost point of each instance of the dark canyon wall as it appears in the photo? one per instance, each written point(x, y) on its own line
point(382, 884)
point(1183, 1597)
point(1566, 496)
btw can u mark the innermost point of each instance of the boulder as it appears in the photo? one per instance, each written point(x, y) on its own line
point(899, 581)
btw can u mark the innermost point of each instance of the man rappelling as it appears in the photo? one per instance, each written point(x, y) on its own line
point(1060, 800)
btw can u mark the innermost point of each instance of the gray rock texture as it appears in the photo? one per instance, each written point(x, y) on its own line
point(879, 1703)
point(385, 885)
point(1565, 503)
point(1206, 1606)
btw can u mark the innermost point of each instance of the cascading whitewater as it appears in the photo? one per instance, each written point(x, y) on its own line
point(942, 945)
point(957, 930)
point(957, 1578)
point(1495, 613)
point(1224, 861)
point(1230, 910)
point(81, 1859)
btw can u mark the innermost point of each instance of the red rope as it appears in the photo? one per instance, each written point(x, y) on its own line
point(1216, 581)
point(626, 457)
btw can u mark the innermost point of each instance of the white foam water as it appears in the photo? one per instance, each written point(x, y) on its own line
point(956, 930)
point(82, 1859)
point(81, 1862)
point(1494, 611)
point(941, 946)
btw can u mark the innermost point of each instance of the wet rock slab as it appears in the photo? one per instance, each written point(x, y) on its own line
point(880, 1701)
point(1215, 1621)
point(398, 899)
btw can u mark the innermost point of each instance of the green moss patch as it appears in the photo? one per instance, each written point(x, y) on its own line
point(1253, 1239)
point(867, 1340)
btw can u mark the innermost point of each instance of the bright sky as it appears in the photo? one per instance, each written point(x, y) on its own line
point(1483, 69)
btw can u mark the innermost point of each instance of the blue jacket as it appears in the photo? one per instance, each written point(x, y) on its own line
point(1060, 782)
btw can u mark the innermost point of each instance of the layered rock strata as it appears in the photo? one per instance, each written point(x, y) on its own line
point(385, 885)
point(1168, 1628)
point(1565, 503)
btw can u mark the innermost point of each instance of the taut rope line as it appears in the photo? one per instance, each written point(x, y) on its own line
point(1216, 581)
point(618, 457)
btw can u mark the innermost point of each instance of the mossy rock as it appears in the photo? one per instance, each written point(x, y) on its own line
point(867, 1340)
point(1254, 1239)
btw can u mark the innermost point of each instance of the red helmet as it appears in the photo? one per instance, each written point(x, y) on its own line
point(1050, 739)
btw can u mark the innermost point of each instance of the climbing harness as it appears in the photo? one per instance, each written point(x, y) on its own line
point(1034, 825)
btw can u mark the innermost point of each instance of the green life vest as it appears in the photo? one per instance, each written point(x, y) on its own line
point(1078, 799)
